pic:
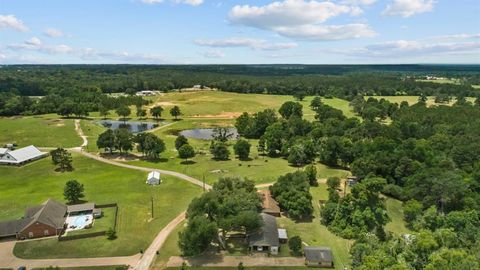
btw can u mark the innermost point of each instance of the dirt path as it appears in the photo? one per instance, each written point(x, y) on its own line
point(148, 257)
point(233, 261)
point(79, 131)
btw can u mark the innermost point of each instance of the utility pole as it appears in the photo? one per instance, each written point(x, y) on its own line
point(152, 205)
point(203, 182)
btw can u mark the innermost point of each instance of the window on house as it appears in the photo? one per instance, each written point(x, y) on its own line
point(45, 232)
point(30, 234)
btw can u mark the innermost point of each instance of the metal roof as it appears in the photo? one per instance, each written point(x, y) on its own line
point(3, 150)
point(318, 254)
point(267, 235)
point(23, 154)
point(154, 174)
point(282, 234)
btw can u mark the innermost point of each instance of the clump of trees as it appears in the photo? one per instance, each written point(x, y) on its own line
point(62, 158)
point(359, 212)
point(123, 140)
point(156, 112)
point(149, 145)
point(292, 192)
point(231, 204)
point(186, 152)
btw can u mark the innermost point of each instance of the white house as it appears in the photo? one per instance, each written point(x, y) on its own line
point(21, 156)
point(153, 178)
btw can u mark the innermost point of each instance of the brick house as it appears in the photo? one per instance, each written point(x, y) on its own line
point(43, 220)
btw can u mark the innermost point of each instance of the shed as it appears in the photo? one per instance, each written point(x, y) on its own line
point(153, 178)
point(282, 236)
point(318, 256)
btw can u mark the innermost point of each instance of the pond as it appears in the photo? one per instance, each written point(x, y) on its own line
point(205, 133)
point(134, 127)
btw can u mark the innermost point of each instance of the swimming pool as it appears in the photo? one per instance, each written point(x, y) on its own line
point(78, 222)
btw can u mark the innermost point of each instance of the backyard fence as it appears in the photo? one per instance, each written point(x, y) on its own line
point(93, 234)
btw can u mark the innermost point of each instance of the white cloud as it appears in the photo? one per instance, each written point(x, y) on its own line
point(407, 8)
point(187, 2)
point(405, 48)
point(327, 32)
point(301, 19)
point(10, 21)
point(214, 54)
point(53, 33)
point(35, 44)
point(255, 44)
point(359, 2)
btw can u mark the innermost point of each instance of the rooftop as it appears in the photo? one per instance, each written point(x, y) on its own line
point(267, 235)
point(80, 207)
point(318, 254)
point(269, 204)
point(154, 174)
point(24, 154)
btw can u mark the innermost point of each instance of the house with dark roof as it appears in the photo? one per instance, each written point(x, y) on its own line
point(318, 256)
point(269, 204)
point(43, 220)
point(265, 239)
point(20, 156)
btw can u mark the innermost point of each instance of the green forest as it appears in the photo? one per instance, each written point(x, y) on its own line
point(86, 85)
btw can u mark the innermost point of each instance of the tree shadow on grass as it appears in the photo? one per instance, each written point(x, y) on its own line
point(188, 162)
point(155, 160)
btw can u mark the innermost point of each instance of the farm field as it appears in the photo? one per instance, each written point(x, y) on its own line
point(41, 130)
point(36, 182)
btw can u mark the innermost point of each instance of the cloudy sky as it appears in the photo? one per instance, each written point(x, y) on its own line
point(239, 32)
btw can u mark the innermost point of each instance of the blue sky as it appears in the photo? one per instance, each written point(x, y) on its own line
point(239, 32)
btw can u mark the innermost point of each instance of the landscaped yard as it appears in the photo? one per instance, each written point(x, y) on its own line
point(99, 224)
point(40, 130)
point(36, 182)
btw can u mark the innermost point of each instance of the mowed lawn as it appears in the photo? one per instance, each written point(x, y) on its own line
point(36, 182)
point(261, 169)
point(40, 130)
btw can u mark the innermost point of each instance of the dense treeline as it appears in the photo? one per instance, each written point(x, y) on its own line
point(428, 157)
point(16, 82)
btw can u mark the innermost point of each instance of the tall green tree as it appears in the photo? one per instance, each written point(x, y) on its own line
point(62, 158)
point(156, 112)
point(242, 149)
point(73, 191)
point(175, 112)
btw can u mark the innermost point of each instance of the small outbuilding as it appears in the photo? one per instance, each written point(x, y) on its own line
point(282, 236)
point(318, 256)
point(153, 178)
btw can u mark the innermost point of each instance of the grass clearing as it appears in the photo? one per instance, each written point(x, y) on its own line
point(41, 130)
point(210, 104)
point(36, 182)
point(395, 212)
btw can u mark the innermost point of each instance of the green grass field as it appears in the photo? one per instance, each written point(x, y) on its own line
point(41, 130)
point(209, 104)
point(36, 182)
point(113, 267)
point(395, 212)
